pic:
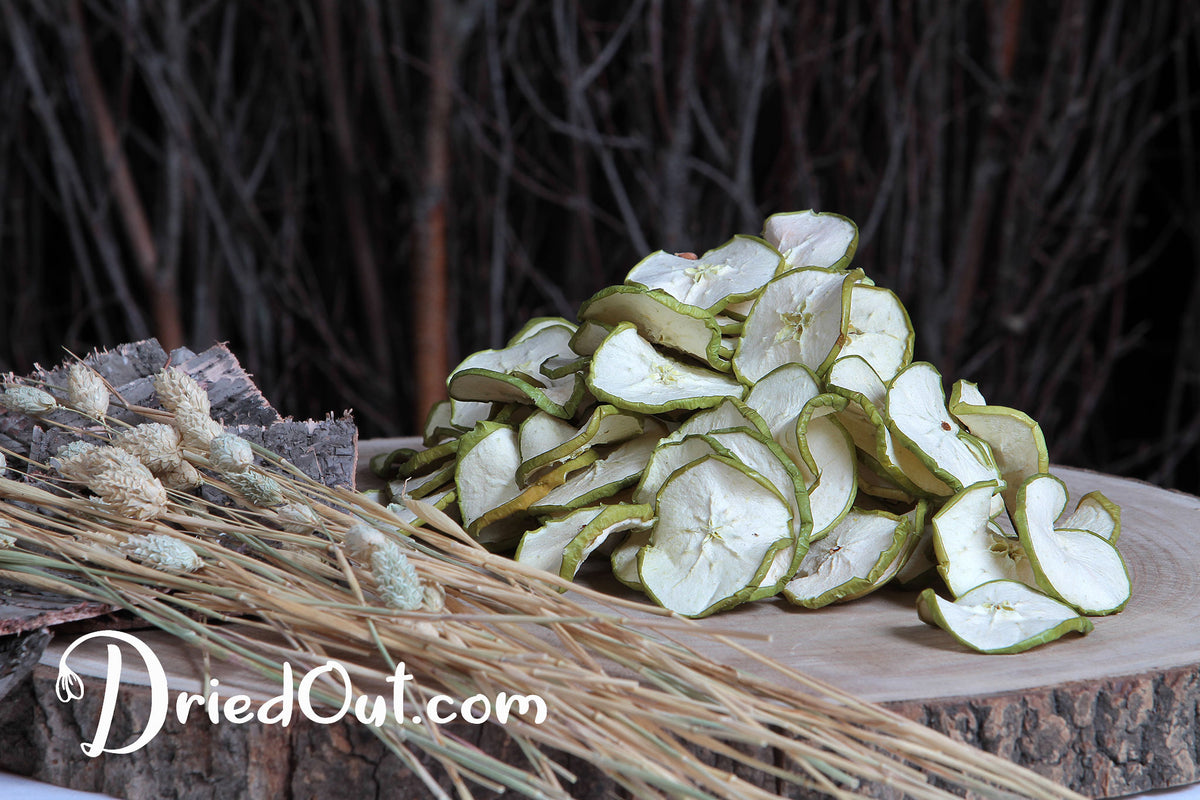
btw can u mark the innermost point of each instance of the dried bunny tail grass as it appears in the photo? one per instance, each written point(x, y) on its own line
point(434, 598)
point(120, 481)
point(363, 540)
point(182, 477)
point(72, 450)
point(160, 448)
point(76, 461)
point(196, 428)
point(396, 578)
point(656, 734)
point(131, 494)
point(163, 552)
point(230, 453)
point(28, 400)
point(154, 444)
point(177, 392)
point(256, 488)
point(298, 518)
point(86, 391)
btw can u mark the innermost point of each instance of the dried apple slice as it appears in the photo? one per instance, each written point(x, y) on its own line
point(442, 501)
point(729, 326)
point(1098, 514)
point(1015, 438)
point(765, 457)
point(485, 476)
point(856, 380)
point(465, 414)
point(851, 561)
point(916, 414)
point(420, 486)
point(561, 544)
point(824, 453)
point(812, 239)
point(501, 525)
point(546, 442)
point(912, 540)
point(739, 311)
point(559, 367)
point(439, 425)
point(536, 325)
point(1081, 568)
point(733, 272)
point(780, 396)
point(972, 551)
point(542, 432)
point(1001, 616)
point(558, 397)
point(486, 486)
point(543, 547)
point(423, 461)
point(661, 320)
point(878, 330)
point(384, 465)
point(513, 413)
point(615, 519)
point(588, 336)
point(624, 558)
point(718, 527)
point(512, 375)
point(874, 481)
point(800, 317)
point(668, 457)
point(630, 374)
point(922, 559)
point(729, 413)
point(604, 477)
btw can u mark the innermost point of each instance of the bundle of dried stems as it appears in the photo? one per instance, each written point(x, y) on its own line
point(623, 693)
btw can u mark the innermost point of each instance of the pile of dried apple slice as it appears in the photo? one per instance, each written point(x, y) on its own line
point(749, 423)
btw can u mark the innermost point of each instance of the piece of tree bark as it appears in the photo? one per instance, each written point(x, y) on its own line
point(23, 608)
point(119, 366)
point(130, 370)
point(326, 450)
point(19, 654)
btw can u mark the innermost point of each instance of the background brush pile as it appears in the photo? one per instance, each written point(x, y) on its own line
point(356, 194)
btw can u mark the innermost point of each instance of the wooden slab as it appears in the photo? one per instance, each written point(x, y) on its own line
point(1112, 713)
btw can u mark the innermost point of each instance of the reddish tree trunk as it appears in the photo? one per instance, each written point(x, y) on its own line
point(430, 296)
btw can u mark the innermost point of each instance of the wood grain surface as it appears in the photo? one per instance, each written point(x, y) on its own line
point(1111, 713)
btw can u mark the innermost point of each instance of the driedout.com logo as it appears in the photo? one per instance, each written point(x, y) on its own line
point(280, 709)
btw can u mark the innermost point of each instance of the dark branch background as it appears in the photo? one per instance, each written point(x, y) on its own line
point(357, 194)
